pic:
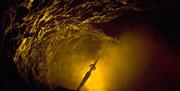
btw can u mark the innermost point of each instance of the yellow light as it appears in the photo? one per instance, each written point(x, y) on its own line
point(96, 81)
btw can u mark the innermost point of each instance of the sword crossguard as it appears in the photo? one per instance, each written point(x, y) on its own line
point(93, 66)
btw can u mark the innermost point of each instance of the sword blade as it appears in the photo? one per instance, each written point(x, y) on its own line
point(87, 75)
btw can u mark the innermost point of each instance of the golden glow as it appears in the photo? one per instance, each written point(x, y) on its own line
point(119, 65)
point(63, 47)
point(97, 80)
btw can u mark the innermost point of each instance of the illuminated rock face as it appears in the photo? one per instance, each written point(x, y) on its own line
point(63, 45)
point(58, 61)
point(59, 42)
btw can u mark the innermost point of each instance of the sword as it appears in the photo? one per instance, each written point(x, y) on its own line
point(93, 67)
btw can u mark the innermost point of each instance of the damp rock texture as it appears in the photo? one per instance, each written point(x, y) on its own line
point(55, 39)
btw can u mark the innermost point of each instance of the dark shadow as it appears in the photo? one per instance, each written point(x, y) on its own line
point(62, 89)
